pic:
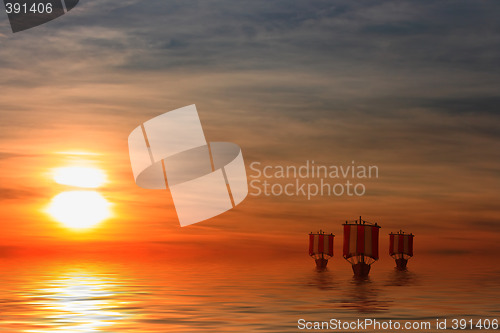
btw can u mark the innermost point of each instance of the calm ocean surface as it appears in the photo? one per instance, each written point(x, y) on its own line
point(235, 296)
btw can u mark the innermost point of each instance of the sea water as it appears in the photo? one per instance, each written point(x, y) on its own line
point(268, 295)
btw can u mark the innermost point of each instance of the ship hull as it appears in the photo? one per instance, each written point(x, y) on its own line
point(361, 270)
point(401, 264)
point(321, 264)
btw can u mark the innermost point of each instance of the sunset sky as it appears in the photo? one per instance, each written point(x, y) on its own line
point(411, 87)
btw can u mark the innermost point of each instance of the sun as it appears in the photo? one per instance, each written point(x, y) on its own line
point(79, 209)
point(83, 177)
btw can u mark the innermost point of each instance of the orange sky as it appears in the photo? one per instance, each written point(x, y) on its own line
point(433, 137)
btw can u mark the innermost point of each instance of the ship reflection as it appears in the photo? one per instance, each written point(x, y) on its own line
point(323, 280)
point(79, 301)
point(402, 278)
point(363, 296)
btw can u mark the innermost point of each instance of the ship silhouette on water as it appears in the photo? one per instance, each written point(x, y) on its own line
point(321, 248)
point(361, 242)
point(361, 245)
point(401, 248)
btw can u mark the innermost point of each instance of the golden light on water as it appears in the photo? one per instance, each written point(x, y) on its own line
point(79, 209)
point(82, 301)
point(79, 176)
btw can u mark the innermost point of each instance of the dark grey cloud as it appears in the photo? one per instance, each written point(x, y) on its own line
point(489, 104)
point(306, 35)
point(340, 56)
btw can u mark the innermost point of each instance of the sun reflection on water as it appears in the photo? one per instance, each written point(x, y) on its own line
point(79, 301)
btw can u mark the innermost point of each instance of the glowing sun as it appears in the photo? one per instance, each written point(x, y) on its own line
point(79, 177)
point(79, 209)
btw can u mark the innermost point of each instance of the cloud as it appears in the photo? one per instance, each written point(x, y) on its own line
point(489, 225)
point(15, 194)
point(450, 252)
point(6, 155)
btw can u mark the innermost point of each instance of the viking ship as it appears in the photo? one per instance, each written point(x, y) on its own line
point(321, 248)
point(401, 248)
point(361, 245)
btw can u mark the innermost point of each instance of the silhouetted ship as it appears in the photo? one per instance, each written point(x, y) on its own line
point(401, 248)
point(361, 245)
point(321, 248)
